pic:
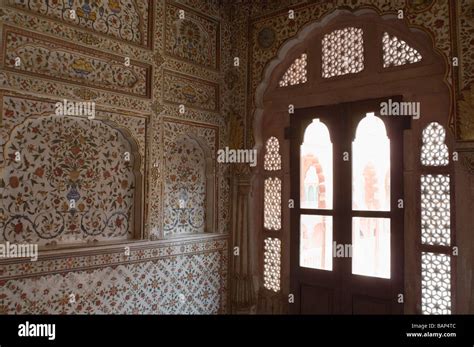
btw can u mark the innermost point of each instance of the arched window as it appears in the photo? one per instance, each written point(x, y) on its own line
point(316, 192)
point(345, 58)
point(371, 192)
point(316, 167)
point(371, 166)
point(272, 158)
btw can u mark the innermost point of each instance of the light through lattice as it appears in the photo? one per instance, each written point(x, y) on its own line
point(272, 160)
point(296, 73)
point(397, 52)
point(343, 52)
point(435, 210)
point(272, 264)
point(434, 151)
point(272, 204)
point(435, 283)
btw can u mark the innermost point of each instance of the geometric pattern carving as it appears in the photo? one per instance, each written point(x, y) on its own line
point(397, 52)
point(435, 283)
point(272, 204)
point(434, 151)
point(296, 73)
point(272, 159)
point(343, 52)
point(435, 210)
point(272, 264)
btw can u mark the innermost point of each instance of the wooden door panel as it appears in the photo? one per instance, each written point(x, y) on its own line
point(370, 305)
point(339, 291)
point(316, 300)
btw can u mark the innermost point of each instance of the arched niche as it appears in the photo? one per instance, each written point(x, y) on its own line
point(71, 182)
point(189, 188)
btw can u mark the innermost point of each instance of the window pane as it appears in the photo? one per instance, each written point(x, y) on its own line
point(435, 283)
point(272, 264)
point(371, 247)
point(397, 52)
point(296, 73)
point(435, 210)
point(434, 151)
point(272, 204)
point(272, 158)
point(343, 52)
point(371, 166)
point(316, 242)
point(316, 167)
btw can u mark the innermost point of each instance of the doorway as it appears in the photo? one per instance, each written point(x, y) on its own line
point(347, 251)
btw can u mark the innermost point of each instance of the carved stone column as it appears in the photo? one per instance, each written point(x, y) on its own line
point(242, 275)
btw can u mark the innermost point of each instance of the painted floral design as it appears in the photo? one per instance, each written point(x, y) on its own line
point(123, 19)
point(185, 191)
point(185, 187)
point(194, 38)
point(184, 283)
point(190, 92)
point(40, 56)
point(65, 159)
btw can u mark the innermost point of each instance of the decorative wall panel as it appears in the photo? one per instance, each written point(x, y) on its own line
point(71, 183)
point(194, 38)
point(190, 91)
point(171, 278)
point(99, 45)
point(14, 110)
point(127, 20)
point(466, 32)
point(185, 187)
point(189, 148)
point(45, 57)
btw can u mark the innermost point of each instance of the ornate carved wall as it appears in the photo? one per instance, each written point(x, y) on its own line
point(76, 50)
point(262, 28)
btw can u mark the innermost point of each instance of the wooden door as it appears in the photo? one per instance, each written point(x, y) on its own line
point(347, 223)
